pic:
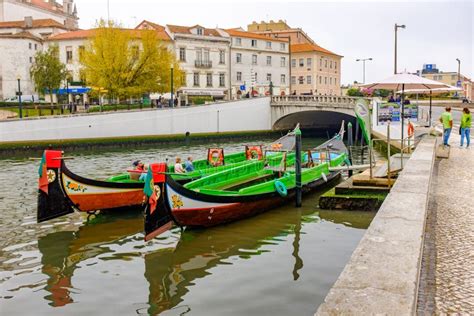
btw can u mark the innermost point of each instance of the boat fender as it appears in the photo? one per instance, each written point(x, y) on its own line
point(324, 177)
point(281, 188)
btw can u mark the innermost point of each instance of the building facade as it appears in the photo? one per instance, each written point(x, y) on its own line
point(203, 54)
point(314, 69)
point(19, 42)
point(258, 64)
point(17, 10)
point(451, 78)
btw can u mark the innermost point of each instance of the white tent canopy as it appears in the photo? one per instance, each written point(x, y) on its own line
point(437, 90)
point(405, 81)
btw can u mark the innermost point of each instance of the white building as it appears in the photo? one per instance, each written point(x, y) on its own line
point(19, 42)
point(203, 54)
point(16, 10)
point(258, 62)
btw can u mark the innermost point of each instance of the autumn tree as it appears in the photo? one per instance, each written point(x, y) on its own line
point(47, 71)
point(128, 62)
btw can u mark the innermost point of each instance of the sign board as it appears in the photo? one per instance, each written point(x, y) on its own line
point(458, 83)
point(390, 112)
point(430, 66)
point(19, 93)
point(242, 87)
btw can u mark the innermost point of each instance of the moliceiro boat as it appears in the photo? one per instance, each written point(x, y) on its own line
point(61, 191)
point(237, 192)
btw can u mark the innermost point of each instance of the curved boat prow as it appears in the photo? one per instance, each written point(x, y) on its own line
point(157, 213)
point(51, 200)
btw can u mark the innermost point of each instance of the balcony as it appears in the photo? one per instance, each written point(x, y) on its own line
point(203, 64)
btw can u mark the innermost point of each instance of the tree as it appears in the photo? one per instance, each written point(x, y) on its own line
point(47, 71)
point(128, 62)
point(354, 92)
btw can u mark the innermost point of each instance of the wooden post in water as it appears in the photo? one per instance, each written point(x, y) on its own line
point(349, 143)
point(298, 146)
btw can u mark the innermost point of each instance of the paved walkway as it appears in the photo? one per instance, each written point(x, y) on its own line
point(447, 276)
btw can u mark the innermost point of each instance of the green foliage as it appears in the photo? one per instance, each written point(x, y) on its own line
point(381, 93)
point(128, 62)
point(354, 92)
point(47, 71)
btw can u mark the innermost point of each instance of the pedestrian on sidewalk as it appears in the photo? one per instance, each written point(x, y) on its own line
point(447, 120)
point(466, 123)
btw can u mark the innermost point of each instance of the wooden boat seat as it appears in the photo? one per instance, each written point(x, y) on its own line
point(235, 185)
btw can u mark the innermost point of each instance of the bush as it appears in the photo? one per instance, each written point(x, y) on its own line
point(354, 92)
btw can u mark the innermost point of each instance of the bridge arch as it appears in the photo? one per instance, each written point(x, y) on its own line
point(314, 120)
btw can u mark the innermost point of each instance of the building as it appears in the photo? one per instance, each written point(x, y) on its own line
point(203, 54)
point(314, 69)
point(17, 10)
point(19, 42)
point(259, 64)
point(451, 78)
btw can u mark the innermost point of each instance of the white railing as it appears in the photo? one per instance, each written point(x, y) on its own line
point(333, 99)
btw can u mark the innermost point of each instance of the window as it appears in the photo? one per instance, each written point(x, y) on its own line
point(199, 54)
point(321, 63)
point(69, 54)
point(282, 46)
point(199, 31)
point(453, 77)
point(254, 59)
point(182, 54)
point(239, 76)
point(183, 79)
point(301, 80)
point(238, 58)
point(269, 60)
point(282, 79)
point(254, 43)
point(301, 62)
point(206, 55)
point(320, 79)
point(31, 60)
point(209, 79)
point(29, 45)
point(325, 80)
point(36, 46)
point(255, 77)
point(335, 65)
point(308, 79)
point(221, 80)
point(283, 61)
point(330, 80)
point(238, 41)
point(269, 77)
point(293, 63)
point(293, 80)
point(309, 62)
point(269, 45)
point(325, 63)
point(221, 57)
point(330, 64)
point(440, 77)
point(196, 79)
point(81, 52)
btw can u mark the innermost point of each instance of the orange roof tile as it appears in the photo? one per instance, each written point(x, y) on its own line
point(82, 34)
point(234, 32)
point(187, 30)
point(27, 35)
point(36, 24)
point(308, 47)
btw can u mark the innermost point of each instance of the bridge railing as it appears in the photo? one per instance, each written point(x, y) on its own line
point(289, 99)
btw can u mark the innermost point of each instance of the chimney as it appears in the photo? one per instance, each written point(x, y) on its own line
point(28, 22)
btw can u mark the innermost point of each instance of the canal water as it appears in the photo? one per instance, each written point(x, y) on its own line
point(279, 263)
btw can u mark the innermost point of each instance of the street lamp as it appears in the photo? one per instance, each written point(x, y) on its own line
point(459, 69)
point(172, 99)
point(19, 99)
point(396, 28)
point(363, 66)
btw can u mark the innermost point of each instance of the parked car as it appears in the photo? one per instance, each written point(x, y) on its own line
point(27, 98)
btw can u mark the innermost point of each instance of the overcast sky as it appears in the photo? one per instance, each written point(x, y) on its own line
point(437, 32)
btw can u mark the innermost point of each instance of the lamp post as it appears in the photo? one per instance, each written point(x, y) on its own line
point(363, 66)
point(19, 99)
point(172, 98)
point(459, 69)
point(396, 28)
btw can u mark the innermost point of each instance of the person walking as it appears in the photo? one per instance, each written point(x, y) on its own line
point(466, 123)
point(447, 120)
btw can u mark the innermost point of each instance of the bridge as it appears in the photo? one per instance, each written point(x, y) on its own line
point(311, 111)
point(254, 114)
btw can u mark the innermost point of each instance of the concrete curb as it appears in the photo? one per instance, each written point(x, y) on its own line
point(382, 275)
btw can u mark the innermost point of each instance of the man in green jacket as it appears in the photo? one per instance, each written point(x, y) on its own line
point(466, 123)
point(447, 120)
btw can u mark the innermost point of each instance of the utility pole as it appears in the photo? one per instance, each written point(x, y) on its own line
point(395, 61)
